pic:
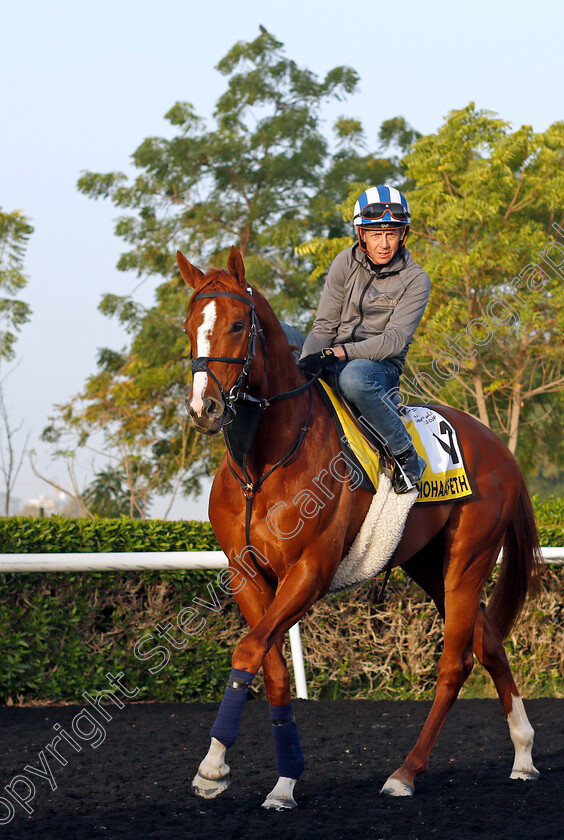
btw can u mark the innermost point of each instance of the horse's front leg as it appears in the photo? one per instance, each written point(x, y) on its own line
point(302, 586)
point(289, 756)
point(212, 777)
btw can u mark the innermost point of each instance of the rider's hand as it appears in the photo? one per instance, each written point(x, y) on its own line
point(318, 361)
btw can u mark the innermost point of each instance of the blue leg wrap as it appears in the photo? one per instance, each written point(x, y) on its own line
point(289, 755)
point(228, 717)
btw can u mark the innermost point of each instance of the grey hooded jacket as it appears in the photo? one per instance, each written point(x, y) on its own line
point(371, 310)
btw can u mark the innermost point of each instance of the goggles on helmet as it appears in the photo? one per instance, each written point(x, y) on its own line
point(375, 212)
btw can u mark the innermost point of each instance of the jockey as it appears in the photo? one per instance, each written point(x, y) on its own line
point(374, 297)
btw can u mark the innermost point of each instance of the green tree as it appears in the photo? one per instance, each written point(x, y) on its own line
point(15, 231)
point(247, 180)
point(109, 495)
point(485, 202)
point(543, 465)
point(262, 177)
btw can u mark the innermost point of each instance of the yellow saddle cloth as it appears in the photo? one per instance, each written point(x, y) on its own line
point(435, 439)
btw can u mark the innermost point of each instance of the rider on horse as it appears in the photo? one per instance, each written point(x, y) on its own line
point(374, 297)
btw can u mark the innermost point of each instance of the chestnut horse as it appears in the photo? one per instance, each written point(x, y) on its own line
point(263, 512)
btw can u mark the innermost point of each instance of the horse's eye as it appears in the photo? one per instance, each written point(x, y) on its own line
point(238, 327)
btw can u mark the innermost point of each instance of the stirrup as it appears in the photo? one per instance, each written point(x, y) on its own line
point(404, 480)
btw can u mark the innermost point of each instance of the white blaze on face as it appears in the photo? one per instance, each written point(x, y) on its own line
point(203, 349)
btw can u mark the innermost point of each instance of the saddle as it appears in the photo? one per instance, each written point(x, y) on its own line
point(385, 458)
point(445, 478)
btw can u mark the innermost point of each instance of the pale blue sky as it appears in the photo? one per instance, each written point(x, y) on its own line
point(82, 85)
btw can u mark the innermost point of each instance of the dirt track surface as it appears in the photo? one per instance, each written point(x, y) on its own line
point(134, 784)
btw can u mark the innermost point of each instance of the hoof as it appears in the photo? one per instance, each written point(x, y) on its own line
point(395, 787)
point(526, 775)
point(281, 797)
point(209, 788)
point(279, 803)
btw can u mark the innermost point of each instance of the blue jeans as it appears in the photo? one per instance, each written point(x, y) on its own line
point(372, 386)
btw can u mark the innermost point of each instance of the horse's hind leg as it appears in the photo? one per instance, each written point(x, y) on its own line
point(489, 649)
point(459, 603)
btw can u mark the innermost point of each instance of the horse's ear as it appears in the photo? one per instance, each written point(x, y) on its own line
point(189, 272)
point(236, 266)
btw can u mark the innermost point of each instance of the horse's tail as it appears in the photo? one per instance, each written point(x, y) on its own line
point(519, 576)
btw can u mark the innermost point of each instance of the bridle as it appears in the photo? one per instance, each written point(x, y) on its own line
point(239, 390)
point(248, 408)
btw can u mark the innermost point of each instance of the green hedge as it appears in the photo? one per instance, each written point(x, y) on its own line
point(57, 534)
point(21, 535)
point(61, 633)
point(550, 520)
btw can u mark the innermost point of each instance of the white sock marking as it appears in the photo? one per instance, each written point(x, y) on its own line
point(213, 766)
point(521, 733)
point(281, 797)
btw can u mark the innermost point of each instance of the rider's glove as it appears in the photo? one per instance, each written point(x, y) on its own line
point(318, 361)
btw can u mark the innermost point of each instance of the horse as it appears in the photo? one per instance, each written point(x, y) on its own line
point(285, 539)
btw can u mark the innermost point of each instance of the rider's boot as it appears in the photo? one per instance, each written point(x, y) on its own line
point(412, 467)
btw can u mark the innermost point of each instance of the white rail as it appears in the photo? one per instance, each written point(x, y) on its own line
point(113, 562)
point(140, 560)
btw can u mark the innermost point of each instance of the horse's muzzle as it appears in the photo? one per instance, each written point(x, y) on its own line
point(208, 421)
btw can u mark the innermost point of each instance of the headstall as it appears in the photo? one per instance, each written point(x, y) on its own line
point(239, 389)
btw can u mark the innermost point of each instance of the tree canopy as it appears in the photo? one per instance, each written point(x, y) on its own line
point(484, 206)
point(15, 230)
point(486, 221)
point(246, 180)
point(263, 176)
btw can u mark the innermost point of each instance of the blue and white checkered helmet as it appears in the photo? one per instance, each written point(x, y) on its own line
point(381, 207)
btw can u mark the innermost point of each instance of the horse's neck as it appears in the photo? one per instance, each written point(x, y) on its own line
point(282, 373)
point(283, 420)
